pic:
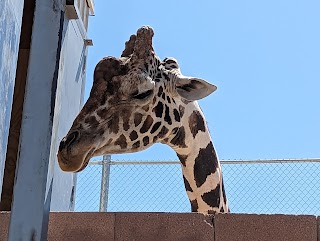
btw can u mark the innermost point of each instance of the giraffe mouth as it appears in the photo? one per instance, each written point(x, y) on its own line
point(74, 163)
point(86, 160)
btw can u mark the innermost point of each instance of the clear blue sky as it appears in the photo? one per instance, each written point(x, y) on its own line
point(264, 56)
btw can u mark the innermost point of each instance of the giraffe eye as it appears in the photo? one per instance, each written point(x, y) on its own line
point(143, 95)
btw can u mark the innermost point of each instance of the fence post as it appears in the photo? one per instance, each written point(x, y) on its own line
point(105, 177)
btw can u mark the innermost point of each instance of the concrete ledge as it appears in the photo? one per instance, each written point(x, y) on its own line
point(164, 226)
point(175, 227)
point(67, 226)
point(4, 225)
point(318, 227)
point(243, 227)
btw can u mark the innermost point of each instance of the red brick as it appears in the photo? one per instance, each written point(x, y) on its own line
point(252, 227)
point(318, 224)
point(68, 226)
point(163, 227)
point(4, 225)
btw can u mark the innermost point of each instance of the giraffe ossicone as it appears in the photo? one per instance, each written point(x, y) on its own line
point(138, 100)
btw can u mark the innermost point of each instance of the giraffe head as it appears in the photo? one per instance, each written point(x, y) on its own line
point(135, 101)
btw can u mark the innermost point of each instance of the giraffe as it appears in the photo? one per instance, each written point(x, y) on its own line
point(138, 100)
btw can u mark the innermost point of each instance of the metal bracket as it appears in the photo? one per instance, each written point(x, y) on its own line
point(90, 4)
point(88, 42)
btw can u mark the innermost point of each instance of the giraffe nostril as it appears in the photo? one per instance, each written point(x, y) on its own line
point(62, 144)
point(68, 140)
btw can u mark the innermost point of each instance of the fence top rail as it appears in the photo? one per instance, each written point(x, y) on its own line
point(174, 162)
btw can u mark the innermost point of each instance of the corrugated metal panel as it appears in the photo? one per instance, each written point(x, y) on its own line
point(10, 27)
point(69, 101)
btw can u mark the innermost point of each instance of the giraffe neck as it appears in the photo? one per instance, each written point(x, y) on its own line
point(201, 169)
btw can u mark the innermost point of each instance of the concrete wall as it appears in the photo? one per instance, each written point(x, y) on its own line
point(176, 227)
point(10, 27)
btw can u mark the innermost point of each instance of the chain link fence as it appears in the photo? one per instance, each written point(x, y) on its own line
point(262, 186)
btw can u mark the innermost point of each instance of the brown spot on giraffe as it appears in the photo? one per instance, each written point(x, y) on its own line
point(204, 164)
point(182, 158)
point(92, 121)
point(113, 123)
point(155, 139)
point(164, 130)
point(181, 110)
point(145, 108)
point(154, 100)
point(155, 127)
point(136, 145)
point(146, 124)
point(167, 117)
point(196, 123)
point(176, 115)
point(145, 140)
point(179, 138)
point(158, 109)
point(122, 142)
point(109, 141)
point(126, 114)
point(160, 91)
point(102, 113)
point(186, 184)
point(194, 205)
point(210, 197)
point(137, 119)
point(133, 135)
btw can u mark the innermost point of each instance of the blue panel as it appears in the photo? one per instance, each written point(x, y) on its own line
point(31, 201)
point(10, 27)
point(68, 104)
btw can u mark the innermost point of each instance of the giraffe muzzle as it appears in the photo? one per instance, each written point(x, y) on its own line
point(72, 155)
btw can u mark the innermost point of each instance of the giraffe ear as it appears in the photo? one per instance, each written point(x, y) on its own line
point(193, 88)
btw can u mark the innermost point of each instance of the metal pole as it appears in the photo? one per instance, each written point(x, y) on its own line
point(105, 177)
point(31, 202)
